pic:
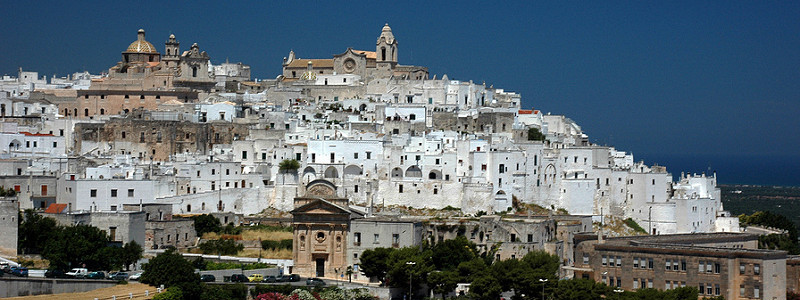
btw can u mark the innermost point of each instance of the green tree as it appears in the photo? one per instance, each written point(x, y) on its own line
point(375, 263)
point(173, 293)
point(76, 246)
point(288, 165)
point(443, 282)
point(447, 255)
point(579, 289)
point(35, 231)
point(535, 135)
point(205, 223)
point(172, 270)
point(131, 253)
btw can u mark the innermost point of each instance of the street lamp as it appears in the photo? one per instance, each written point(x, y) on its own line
point(544, 282)
point(410, 265)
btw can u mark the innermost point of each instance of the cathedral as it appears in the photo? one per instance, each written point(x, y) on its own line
point(144, 68)
point(381, 63)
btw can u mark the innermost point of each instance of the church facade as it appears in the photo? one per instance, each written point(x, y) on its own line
point(381, 63)
point(321, 221)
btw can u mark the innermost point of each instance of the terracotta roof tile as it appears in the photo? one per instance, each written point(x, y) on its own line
point(316, 63)
point(56, 208)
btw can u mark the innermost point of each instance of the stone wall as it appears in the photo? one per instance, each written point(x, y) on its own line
point(14, 287)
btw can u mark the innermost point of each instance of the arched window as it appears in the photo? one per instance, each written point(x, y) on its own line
point(102, 111)
point(383, 53)
point(397, 172)
point(86, 112)
point(123, 134)
point(194, 71)
point(188, 208)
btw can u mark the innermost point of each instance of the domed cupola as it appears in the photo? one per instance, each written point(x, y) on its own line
point(140, 45)
point(141, 51)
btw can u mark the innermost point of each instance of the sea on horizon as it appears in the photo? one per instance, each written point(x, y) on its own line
point(731, 169)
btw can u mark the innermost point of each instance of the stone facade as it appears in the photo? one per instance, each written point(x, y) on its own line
point(321, 221)
point(121, 226)
point(159, 139)
point(9, 226)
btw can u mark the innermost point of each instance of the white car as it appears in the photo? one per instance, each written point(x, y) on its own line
point(78, 273)
point(135, 276)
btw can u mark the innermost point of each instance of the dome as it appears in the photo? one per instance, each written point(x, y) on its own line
point(140, 45)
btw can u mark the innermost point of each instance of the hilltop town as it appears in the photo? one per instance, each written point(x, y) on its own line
point(345, 147)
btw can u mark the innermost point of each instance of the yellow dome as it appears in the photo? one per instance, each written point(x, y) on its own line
point(140, 45)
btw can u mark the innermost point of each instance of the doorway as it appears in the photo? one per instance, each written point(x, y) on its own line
point(320, 267)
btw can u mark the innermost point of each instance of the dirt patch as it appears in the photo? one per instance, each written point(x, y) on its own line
point(121, 291)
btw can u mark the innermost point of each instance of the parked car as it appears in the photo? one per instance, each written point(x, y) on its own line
point(255, 277)
point(207, 278)
point(118, 276)
point(19, 271)
point(315, 281)
point(96, 275)
point(135, 276)
point(55, 273)
point(269, 278)
point(293, 277)
point(239, 278)
point(78, 273)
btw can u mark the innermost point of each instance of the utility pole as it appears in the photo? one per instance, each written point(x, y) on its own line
point(410, 291)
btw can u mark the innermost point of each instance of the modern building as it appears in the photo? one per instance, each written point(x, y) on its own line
point(718, 264)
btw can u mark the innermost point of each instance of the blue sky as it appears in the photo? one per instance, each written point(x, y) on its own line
point(696, 78)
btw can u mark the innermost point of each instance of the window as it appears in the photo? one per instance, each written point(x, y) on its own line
point(635, 263)
point(355, 188)
point(717, 268)
point(114, 193)
point(355, 155)
point(650, 283)
point(741, 290)
point(130, 192)
point(716, 289)
point(377, 238)
point(701, 287)
point(395, 240)
point(400, 189)
point(741, 268)
point(619, 261)
point(369, 155)
point(756, 269)
point(55, 144)
point(668, 264)
point(244, 154)
point(701, 266)
point(357, 238)
point(93, 193)
point(605, 261)
point(683, 265)
point(757, 292)
point(709, 289)
point(530, 239)
point(650, 266)
point(675, 265)
point(585, 259)
point(635, 283)
point(708, 267)
point(502, 169)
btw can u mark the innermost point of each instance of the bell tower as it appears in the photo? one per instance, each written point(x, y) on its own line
point(385, 52)
point(172, 53)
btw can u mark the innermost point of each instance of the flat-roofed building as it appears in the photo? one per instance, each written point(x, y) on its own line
point(718, 264)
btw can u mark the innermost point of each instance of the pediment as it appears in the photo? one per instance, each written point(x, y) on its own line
point(320, 206)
